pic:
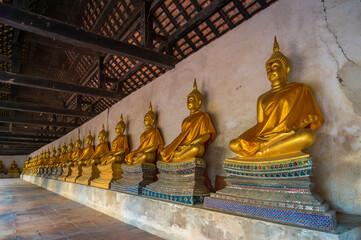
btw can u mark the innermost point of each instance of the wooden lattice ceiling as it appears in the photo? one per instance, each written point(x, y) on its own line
point(176, 28)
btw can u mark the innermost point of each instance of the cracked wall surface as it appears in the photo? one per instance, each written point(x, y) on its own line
point(321, 39)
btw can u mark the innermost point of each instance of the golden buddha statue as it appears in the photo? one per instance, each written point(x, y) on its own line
point(90, 170)
point(287, 115)
point(13, 170)
point(57, 157)
point(62, 155)
point(66, 162)
point(69, 154)
point(151, 142)
point(197, 132)
point(87, 151)
point(100, 150)
point(110, 167)
point(77, 152)
point(120, 146)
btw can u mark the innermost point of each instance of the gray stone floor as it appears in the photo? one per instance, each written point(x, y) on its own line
point(30, 212)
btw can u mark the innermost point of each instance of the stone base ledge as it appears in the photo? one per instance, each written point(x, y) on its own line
point(175, 221)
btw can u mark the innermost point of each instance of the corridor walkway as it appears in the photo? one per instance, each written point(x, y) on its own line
point(30, 212)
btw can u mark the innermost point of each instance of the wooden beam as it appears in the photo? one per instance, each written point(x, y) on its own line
point(146, 25)
point(36, 122)
point(26, 136)
point(201, 16)
point(6, 91)
point(48, 27)
point(22, 130)
point(26, 107)
point(5, 139)
point(28, 81)
point(57, 44)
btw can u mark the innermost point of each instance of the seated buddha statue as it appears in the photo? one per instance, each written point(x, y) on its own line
point(77, 153)
point(287, 115)
point(69, 154)
point(100, 150)
point(110, 167)
point(87, 151)
point(62, 155)
point(13, 170)
point(151, 142)
point(120, 146)
point(197, 132)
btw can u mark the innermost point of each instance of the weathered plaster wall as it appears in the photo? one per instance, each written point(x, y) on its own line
point(8, 160)
point(319, 37)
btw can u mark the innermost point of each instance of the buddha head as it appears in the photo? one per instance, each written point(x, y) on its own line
point(53, 153)
point(89, 139)
point(63, 149)
point(150, 117)
point(119, 129)
point(70, 146)
point(277, 66)
point(78, 143)
point(48, 154)
point(194, 99)
point(102, 134)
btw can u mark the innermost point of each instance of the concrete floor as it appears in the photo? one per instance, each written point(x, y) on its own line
point(30, 212)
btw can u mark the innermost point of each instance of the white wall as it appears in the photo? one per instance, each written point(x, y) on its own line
point(319, 40)
point(8, 160)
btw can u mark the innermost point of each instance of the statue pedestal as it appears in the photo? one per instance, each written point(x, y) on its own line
point(75, 173)
point(41, 172)
point(2, 174)
point(181, 182)
point(135, 177)
point(108, 174)
point(47, 172)
point(88, 174)
point(66, 173)
point(275, 189)
point(56, 173)
point(13, 173)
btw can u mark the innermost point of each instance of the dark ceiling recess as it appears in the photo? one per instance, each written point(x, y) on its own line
point(64, 61)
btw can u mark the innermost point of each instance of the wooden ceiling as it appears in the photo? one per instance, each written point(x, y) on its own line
point(62, 62)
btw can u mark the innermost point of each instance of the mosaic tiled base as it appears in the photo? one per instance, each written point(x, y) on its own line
point(181, 182)
point(108, 174)
point(277, 189)
point(134, 178)
point(320, 220)
point(41, 172)
point(47, 172)
point(66, 173)
point(55, 173)
point(2, 175)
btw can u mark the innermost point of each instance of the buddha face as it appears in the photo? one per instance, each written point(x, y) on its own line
point(77, 144)
point(276, 71)
point(88, 141)
point(193, 103)
point(70, 147)
point(102, 136)
point(119, 129)
point(148, 121)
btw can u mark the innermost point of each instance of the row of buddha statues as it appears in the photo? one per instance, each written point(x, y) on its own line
point(287, 116)
point(12, 172)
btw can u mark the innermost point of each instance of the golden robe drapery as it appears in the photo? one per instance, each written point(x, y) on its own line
point(149, 138)
point(193, 126)
point(291, 108)
point(120, 142)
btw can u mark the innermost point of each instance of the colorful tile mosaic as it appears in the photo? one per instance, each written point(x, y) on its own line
point(324, 220)
point(181, 182)
point(134, 178)
point(274, 189)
